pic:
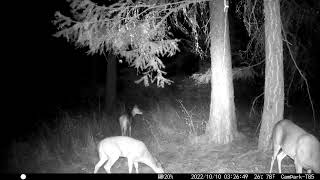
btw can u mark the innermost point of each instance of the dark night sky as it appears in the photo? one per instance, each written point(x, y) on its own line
point(46, 70)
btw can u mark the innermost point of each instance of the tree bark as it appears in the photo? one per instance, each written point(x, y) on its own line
point(221, 127)
point(111, 84)
point(274, 84)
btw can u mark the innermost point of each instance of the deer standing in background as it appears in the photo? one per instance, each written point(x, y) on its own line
point(125, 121)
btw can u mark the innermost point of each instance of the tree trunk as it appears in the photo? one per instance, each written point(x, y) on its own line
point(94, 71)
point(221, 127)
point(111, 84)
point(274, 85)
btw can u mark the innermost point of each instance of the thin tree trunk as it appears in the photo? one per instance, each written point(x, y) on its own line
point(94, 71)
point(221, 126)
point(274, 85)
point(111, 84)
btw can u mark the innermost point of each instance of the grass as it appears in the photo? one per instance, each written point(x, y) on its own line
point(170, 126)
point(68, 143)
point(70, 140)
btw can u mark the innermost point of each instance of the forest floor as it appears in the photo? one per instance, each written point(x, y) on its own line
point(171, 131)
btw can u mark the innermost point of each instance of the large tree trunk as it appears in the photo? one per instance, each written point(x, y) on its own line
point(221, 127)
point(111, 84)
point(274, 86)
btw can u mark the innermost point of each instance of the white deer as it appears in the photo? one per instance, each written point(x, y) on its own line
point(112, 148)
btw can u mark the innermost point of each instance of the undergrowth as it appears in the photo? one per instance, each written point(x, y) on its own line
point(68, 143)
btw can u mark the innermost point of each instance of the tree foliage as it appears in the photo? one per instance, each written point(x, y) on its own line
point(138, 31)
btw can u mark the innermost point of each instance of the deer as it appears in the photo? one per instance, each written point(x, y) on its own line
point(112, 148)
point(125, 121)
point(295, 142)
